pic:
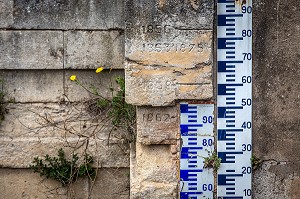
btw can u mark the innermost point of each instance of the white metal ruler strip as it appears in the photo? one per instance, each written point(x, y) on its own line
point(234, 98)
point(196, 128)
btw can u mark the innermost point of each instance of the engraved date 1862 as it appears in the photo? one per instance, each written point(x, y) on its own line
point(157, 117)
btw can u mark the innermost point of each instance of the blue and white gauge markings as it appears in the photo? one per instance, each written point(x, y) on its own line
point(234, 98)
point(197, 142)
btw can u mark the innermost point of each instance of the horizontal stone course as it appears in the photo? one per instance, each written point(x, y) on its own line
point(6, 14)
point(19, 152)
point(111, 183)
point(56, 14)
point(66, 120)
point(33, 85)
point(162, 86)
point(58, 49)
point(36, 86)
point(23, 183)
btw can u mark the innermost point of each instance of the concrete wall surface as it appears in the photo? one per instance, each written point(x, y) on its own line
point(276, 72)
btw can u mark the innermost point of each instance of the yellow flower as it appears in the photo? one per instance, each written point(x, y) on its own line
point(98, 70)
point(73, 78)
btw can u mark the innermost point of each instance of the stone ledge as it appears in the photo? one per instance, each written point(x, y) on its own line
point(19, 152)
point(162, 86)
point(42, 120)
point(23, 183)
point(71, 14)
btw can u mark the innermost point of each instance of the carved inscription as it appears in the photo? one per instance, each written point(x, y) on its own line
point(164, 45)
point(157, 125)
point(155, 29)
point(157, 117)
point(155, 83)
point(177, 47)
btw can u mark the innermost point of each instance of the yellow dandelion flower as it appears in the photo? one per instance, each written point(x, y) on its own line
point(98, 70)
point(73, 78)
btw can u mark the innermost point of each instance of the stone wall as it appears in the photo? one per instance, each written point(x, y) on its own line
point(43, 43)
point(168, 53)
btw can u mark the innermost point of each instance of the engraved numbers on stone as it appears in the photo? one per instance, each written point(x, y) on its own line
point(157, 117)
point(155, 83)
point(155, 29)
point(177, 47)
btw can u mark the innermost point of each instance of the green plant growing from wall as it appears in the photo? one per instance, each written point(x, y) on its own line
point(255, 162)
point(2, 106)
point(4, 102)
point(121, 114)
point(212, 161)
point(95, 115)
point(63, 170)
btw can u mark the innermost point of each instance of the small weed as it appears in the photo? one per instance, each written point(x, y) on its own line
point(121, 113)
point(3, 103)
point(212, 161)
point(63, 170)
point(255, 162)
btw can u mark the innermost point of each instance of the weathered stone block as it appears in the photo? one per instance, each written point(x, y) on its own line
point(195, 92)
point(157, 125)
point(168, 51)
point(19, 152)
point(23, 183)
point(33, 85)
point(31, 49)
point(155, 172)
point(93, 49)
point(179, 49)
point(162, 86)
point(101, 82)
point(72, 14)
point(42, 120)
point(179, 14)
point(155, 164)
point(111, 183)
point(6, 14)
point(156, 191)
